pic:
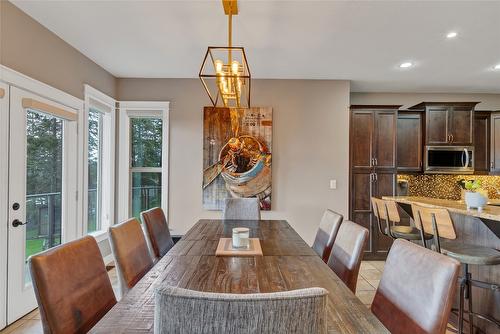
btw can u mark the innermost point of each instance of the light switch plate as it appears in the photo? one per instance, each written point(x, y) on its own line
point(333, 184)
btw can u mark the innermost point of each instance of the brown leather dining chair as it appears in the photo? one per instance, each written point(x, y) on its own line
point(71, 286)
point(131, 253)
point(326, 234)
point(347, 253)
point(157, 231)
point(416, 290)
point(439, 221)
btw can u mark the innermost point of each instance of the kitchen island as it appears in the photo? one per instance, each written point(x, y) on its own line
point(474, 227)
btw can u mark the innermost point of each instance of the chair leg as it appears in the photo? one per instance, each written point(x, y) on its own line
point(461, 307)
point(469, 298)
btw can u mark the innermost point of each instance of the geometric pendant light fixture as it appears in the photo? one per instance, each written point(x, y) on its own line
point(224, 73)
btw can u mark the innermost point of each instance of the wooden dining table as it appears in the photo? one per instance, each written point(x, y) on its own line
point(287, 263)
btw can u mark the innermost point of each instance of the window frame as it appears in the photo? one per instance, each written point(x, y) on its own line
point(94, 99)
point(140, 109)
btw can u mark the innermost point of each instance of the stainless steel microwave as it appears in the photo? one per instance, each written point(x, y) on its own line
point(449, 159)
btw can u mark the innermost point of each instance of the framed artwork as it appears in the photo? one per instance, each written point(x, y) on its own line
point(237, 155)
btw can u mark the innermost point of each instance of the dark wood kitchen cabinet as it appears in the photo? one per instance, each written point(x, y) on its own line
point(373, 156)
point(449, 123)
point(482, 142)
point(495, 143)
point(409, 142)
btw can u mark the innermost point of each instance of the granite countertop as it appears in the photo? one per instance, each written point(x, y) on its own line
point(490, 212)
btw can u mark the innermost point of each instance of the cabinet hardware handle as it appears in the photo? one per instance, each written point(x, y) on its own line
point(375, 177)
point(451, 138)
point(376, 161)
point(491, 165)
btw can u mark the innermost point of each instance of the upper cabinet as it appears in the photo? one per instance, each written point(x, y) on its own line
point(448, 123)
point(373, 136)
point(409, 143)
point(482, 137)
point(495, 143)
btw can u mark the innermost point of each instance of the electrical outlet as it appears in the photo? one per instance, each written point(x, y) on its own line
point(333, 184)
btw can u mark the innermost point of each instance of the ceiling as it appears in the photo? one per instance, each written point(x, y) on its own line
point(362, 41)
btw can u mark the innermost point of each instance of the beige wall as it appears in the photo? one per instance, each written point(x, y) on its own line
point(310, 146)
point(488, 101)
point(28, 47)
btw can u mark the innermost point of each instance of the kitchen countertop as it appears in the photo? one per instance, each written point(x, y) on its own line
point(489, 211)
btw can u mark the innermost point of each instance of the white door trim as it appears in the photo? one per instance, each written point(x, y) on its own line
point(4, 192)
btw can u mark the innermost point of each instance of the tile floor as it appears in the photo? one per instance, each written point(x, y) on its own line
point(369, 277)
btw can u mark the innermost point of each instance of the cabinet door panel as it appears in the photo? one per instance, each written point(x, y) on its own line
point(361, 139)
point(481, 143)
point(385, 185)
point(385, 139)
point(365, 219)
point(409, 153)
point(361, 192)
point(437, 124)
point(495, 142)
point(460, 125)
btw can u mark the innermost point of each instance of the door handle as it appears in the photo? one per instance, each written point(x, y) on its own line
point(17, 223)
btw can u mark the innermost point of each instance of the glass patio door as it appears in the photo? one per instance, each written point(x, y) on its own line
point(42, 188)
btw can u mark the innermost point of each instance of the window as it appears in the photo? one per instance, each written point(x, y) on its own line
point(44, 170)
point(94, 159)
point(146, 139)
point(143, 157)
point(98, 190)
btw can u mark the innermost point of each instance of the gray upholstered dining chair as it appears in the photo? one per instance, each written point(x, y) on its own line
point(416, 290)
point(241, 209)
point(179, 310)
point(326, 234)
point(347, 252)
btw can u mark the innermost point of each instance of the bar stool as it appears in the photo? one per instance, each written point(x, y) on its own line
point(388, 211)
point(439, 221)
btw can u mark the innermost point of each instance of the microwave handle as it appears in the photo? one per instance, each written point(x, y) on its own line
point(466, 157)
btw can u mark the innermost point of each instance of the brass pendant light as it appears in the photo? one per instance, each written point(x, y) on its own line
point(225, 69)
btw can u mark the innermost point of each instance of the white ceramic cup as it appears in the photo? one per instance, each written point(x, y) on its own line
point(241, 237)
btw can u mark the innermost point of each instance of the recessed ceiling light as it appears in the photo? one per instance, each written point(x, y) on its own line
point(406, 65)
point(496, 67)
point(451, 34)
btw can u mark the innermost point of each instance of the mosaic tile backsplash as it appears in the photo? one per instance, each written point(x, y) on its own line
point(447, 186)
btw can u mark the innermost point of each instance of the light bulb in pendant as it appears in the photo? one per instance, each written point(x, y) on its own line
point(235, 66)
point(218, 66)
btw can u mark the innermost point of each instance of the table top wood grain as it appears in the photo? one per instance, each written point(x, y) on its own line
point(288, 263)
